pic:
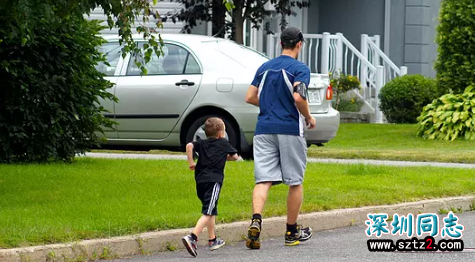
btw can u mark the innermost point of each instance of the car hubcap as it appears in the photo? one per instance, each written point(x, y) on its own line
point(200, 134)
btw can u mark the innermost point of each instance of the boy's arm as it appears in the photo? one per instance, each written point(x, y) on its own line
point(232, 157)
point(189, 155)
point(232, 153)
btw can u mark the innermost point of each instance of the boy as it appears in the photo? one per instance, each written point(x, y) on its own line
point(209, 174)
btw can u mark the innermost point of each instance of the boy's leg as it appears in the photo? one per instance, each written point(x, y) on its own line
point(210, 227)
point(208, 193)
point(202, 223)
point(191, 241)
point(214, 242)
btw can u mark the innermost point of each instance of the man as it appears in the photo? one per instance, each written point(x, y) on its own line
point(279, 89)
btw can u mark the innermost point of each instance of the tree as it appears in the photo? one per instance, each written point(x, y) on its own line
point(254, 10)
point(455, 64)
point(49, 98)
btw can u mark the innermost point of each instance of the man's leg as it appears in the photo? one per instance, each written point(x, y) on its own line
point(294, 161)
point(259, 196)
point(294, 202)
point(267, 171)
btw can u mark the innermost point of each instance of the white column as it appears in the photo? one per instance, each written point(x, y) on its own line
point(376, 61)
point(339, 52)
point(379, 84)
point(387, 26)
point(209, 24)
point(364, 68)
point(325, 53)
point(270, 46)
point(403, 70)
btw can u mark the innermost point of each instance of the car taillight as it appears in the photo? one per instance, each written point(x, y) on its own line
point(329, 92)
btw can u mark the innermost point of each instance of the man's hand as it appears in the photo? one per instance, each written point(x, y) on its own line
point(310, 122)
point(192, 166)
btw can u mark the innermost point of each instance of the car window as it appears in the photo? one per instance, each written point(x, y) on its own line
point(244, 55)
point(175, 60)
point(112, 54)
point(192, 67)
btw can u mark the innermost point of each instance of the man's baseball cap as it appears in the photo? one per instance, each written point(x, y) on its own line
point(291, 35)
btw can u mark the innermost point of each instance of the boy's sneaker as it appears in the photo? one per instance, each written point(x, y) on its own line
point(217, 243)
point(302, 234)
point(190, 245)
point(253, 234)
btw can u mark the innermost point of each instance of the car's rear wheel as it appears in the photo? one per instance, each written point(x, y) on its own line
point(196, 130)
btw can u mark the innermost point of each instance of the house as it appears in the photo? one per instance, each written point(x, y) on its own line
point(375, 40)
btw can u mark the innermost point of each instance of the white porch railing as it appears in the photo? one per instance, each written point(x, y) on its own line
point(326, 53)
point(376, 56)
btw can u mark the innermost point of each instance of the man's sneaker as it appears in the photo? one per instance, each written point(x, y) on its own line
point(253, 234)
point(302, 234)
point(217, 243)
point(190, 245)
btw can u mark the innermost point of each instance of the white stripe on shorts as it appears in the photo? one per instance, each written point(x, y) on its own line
point(214, 198)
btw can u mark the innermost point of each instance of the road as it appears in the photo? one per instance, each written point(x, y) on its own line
point(346, 244)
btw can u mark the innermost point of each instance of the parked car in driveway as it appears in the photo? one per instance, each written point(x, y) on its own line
point(197, 77)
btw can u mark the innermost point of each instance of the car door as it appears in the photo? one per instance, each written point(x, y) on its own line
point(150, 106)
point(112, 53)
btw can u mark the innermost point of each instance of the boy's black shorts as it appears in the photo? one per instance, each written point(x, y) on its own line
point(208, 193)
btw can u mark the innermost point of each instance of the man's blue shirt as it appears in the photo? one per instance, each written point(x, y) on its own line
point(275, 80)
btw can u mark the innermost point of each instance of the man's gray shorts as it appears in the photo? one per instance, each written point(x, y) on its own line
point(280, 158)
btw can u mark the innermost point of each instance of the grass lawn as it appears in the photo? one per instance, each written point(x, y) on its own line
point(378, 141)
point(392, 142)
point(94, 198)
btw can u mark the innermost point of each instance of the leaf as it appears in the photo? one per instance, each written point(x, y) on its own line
point(455, 117)
point(468, 89)
point(446, 115)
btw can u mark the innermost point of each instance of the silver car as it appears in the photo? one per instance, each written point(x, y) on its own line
point(197, 77)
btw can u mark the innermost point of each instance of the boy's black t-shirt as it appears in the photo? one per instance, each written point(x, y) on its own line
point(212, 154)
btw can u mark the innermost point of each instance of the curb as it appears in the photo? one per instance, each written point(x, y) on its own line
point(147, 243)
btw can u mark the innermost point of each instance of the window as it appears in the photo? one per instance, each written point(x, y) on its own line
point(192, 66)
point(175, 60)
point(112, 54)
point(243, 55)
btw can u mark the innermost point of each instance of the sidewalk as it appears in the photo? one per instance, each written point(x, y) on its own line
point(312, 160)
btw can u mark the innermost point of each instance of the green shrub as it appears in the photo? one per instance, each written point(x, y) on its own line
point(350, 104)
point(342, 83)
point(403, 98)
point(50, 89)
point(449, 117)
point(455, 64)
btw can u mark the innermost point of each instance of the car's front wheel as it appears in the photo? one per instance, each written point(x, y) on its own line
point(197, 131)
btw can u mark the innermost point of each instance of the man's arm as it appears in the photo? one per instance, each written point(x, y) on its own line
point(251, 95)
point(302, 106)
